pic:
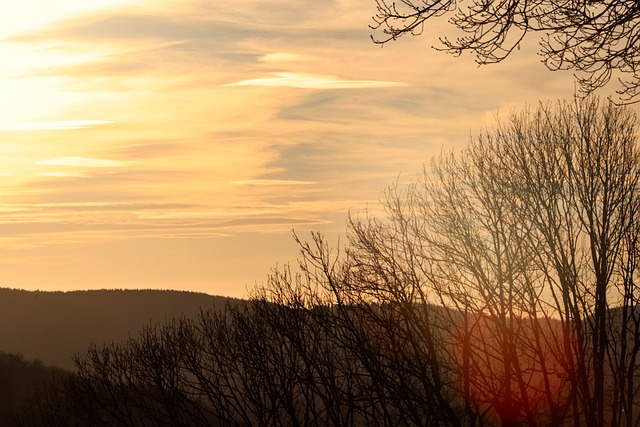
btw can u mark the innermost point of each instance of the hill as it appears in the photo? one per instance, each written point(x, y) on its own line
point(53, 326)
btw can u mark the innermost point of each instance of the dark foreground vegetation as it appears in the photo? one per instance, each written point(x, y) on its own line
point(501, 289)
point(20, 378)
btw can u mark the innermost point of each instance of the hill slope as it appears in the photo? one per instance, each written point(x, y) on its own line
point(53, 326)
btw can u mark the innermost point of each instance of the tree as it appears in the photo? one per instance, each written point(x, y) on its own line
point(529, 237)
point(594, 38)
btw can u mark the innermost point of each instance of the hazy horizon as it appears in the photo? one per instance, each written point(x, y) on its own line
point(175, 144)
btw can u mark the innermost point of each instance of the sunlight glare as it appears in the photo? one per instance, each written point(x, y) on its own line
point(57, 125)
point(25, 15)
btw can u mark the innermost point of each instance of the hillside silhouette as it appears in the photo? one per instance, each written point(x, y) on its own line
point(53, 326)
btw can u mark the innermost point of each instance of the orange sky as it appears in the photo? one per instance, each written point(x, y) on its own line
point(175, 144)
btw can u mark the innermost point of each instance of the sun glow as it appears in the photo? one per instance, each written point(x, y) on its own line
point(53, 125)
point(25, 15)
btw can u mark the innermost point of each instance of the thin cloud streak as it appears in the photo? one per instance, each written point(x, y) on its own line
point(312, 81)
point(277, 57)
point(84, 162)
point(60, 174)
point(42, 232)
point(269, 182)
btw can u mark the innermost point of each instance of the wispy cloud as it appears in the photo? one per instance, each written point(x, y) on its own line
point(189, 87)
point(85, 162)
point(313, 81)
point(270, 224)
point(60, 174)
point(283, 57)
point(268, 182)
point(192, 235)
point(54, 125)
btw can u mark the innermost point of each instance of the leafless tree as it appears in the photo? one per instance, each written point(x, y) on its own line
point(393, 375)
point(594, 38)
point(529, 239)
point(574, 169)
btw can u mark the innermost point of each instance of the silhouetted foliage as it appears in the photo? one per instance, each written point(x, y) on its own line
point(594, 38)
point(500, 290)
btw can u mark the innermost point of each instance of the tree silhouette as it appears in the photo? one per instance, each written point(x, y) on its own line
point(594, 38)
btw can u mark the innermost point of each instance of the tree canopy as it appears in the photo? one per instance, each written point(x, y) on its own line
point(593, 38)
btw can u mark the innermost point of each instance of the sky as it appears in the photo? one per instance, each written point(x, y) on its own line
point(173, 144)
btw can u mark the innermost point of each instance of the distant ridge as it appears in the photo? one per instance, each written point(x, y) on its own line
point(53, 326)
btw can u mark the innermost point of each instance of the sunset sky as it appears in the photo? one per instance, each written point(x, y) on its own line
point(175, 144)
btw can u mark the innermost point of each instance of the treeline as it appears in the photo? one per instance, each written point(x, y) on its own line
point(501, 290)
point(258, 364)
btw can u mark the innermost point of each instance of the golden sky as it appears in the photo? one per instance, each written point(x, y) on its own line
point(175, 144)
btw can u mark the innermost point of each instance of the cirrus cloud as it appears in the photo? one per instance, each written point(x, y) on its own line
point(60, 174)
point(314, 81)
point(283, 57)
point(84, 162)
point(266, 182)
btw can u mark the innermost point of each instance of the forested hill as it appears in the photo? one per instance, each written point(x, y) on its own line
point(53, 326)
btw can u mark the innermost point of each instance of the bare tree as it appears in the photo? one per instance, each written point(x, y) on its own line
point(574, 169)
point(501, 286)
point(387, 338)
point(530, 238)
point(594, 38)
